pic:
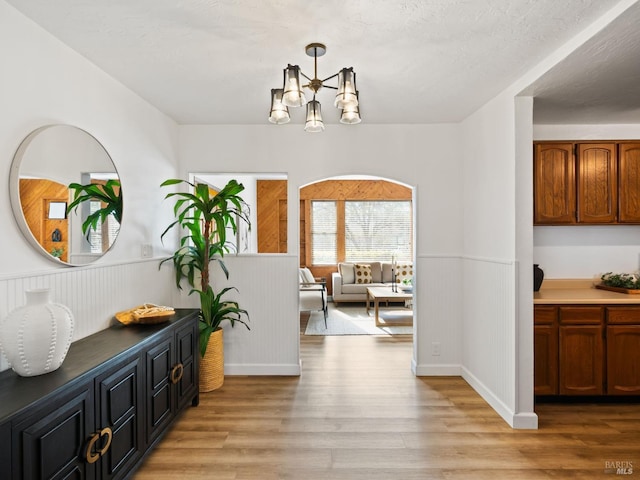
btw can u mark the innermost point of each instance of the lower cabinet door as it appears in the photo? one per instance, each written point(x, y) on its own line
point(581, 360)
point(185, 372)
point(50, 442)
point(158, 390)
point(623, 360)
point(546, 360)
point(121, 406)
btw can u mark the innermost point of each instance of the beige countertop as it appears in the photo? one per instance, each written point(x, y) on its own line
point(579, 291)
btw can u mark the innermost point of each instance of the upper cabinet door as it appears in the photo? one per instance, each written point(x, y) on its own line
point(554, 184)
point(597, 183)
point(629, 183)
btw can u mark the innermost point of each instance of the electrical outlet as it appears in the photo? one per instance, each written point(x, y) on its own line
point(147, 250)
point(435, 348)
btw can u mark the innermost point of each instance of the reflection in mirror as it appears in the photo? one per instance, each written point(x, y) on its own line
point(266, 197)
point(47, 162)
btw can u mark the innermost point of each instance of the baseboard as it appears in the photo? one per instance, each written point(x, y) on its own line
point(436, 370)
point(284, 370)
point(528, 420)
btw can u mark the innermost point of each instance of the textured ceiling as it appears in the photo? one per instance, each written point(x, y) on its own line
point(597, 83)
point(417, 61)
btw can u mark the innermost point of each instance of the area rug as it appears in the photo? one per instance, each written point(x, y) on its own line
point(353, 320)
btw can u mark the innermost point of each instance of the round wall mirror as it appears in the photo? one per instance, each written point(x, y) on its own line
point(65, 194)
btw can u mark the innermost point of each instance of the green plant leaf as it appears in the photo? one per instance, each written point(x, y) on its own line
point(108, 194)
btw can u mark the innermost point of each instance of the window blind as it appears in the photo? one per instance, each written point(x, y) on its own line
point(376, 230)
point(324, 233)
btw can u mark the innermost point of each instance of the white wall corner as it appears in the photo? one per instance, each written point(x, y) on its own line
point(515, 420)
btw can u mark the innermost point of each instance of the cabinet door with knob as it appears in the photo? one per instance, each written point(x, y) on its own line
point(47, 441)
point(172, 378)
point(597, 183)
point(629, 183)
point(581, 350)
point(117, 443)
point(545, 350)
point(554, 184)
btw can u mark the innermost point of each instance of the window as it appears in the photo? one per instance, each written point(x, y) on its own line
point(101, 239)
point(376, 230)
point(324, 230)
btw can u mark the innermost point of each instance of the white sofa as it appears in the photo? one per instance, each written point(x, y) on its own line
point(347, 287)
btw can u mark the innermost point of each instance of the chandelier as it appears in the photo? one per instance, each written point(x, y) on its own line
point(292, 95)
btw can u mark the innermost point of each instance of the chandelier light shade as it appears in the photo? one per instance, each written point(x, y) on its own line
point(279, 112)
point(346, 96)
point(351, 113)
point(292, 94)
point(314, 121)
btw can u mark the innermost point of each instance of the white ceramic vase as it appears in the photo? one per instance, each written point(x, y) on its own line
point(35, 338)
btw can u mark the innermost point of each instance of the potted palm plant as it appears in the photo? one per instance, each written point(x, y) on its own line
point(206, 218)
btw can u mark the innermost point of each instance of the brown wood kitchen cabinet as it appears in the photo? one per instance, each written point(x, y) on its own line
point(586, 349)
point(554, 184)
point(597, 188)
point(623, 350)
point(629, 183)
point(581, 350)
point(545, 350)
point(586, 183)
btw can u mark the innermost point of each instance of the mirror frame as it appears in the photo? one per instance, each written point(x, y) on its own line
point(14, 192)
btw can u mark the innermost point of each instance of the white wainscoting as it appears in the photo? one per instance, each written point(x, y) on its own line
point(489, 326)
point(438, 314)
point(93, 293)
point(268, 289)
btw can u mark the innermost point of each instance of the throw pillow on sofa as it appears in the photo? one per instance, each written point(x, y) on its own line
point(404, 272)
point(362, 273)
point(347, 273)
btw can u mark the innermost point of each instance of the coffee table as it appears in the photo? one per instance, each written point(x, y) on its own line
point(385, 294)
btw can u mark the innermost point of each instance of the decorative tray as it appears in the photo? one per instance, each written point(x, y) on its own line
point(618, 289)
point(147, 313)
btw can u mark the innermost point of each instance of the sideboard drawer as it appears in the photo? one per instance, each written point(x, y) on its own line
point(623, 315)
point(544, 315)
point(581, 315)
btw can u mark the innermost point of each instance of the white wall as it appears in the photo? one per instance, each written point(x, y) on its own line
point(586, 251)
point(490, 323)
point(426, 157)
point(44, 82)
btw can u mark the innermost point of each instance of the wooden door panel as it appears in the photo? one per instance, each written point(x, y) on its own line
point(158, 391)
point(186, 344)
point(597, 183)
point(271, 211)
point(581, 357)
point(52, 441)
point(629, 183)
point(120, 393)
point(554, 184)
point(623, 360)
point(546, 360)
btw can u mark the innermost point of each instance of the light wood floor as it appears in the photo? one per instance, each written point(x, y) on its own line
point(357, 413)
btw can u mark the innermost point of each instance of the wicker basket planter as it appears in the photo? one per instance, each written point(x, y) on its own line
point(212, 364)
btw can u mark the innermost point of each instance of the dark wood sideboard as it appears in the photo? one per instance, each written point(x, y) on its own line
point(104, 409)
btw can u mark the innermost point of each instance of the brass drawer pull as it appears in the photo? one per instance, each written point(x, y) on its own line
point(93, 457)
point(176, 373)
